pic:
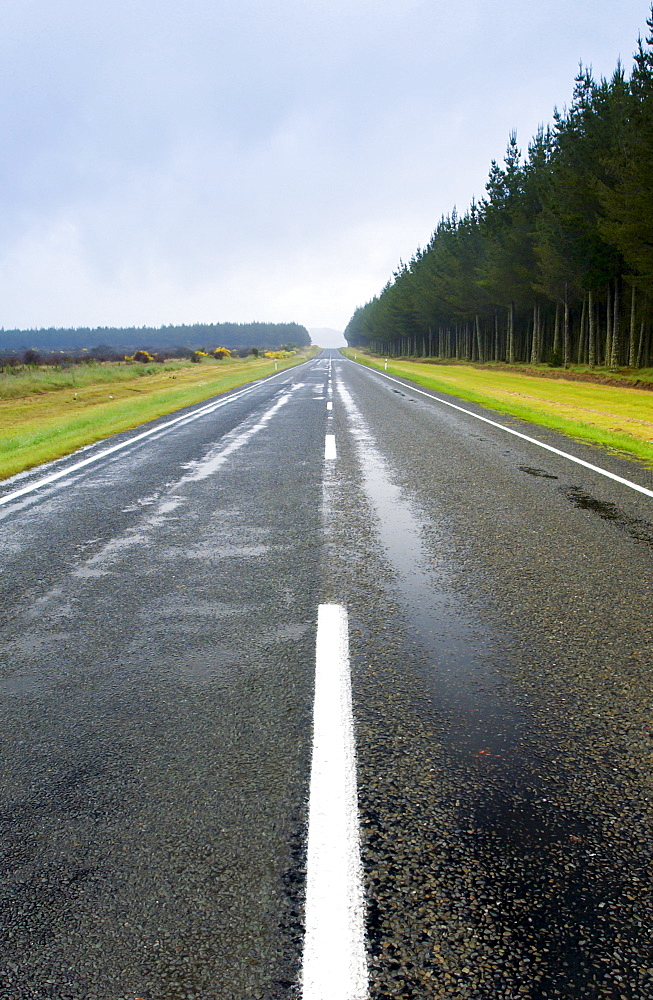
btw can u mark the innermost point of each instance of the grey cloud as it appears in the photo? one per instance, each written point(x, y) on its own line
point(247, 160)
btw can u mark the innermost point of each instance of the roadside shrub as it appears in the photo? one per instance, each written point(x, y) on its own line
point(143, 356)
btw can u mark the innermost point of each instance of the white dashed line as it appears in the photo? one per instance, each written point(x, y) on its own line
point(334, 966)
point(330, 447)
point(329, 405)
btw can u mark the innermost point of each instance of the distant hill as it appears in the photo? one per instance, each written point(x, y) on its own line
point(324, 336)
point(207, 335)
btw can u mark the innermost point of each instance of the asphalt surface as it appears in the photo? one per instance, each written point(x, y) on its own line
point(156, 680)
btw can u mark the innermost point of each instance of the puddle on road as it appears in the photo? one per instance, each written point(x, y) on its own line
point(540, 473)
point(637, 528)
point(25, 683)
point(463, 681)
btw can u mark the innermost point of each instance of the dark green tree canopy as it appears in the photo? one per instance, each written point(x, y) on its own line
point(546, 256)
point(208, 335)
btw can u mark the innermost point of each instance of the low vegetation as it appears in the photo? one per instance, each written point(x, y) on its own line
point(47, 412)
point(232, 335)
point(598, 412)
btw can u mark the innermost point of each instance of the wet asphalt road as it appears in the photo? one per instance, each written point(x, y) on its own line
point(156, 680)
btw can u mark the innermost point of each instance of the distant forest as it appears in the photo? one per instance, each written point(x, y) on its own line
point(206, 335)
point(555, 264)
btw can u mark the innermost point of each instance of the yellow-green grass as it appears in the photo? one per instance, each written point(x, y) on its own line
point(27, 381)
point(614, 417)
point(39, 428)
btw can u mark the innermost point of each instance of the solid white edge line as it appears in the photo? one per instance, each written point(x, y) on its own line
point(509, 430)
point(334, 965)
point(185, 418)
point(330, 447)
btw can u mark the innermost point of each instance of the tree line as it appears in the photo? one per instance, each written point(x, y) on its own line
point(555, 263)
point(199, 335)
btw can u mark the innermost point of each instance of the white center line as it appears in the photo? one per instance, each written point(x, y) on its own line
point(330, 447)
point(524, 437)
point(329, 405)
point(334, 965)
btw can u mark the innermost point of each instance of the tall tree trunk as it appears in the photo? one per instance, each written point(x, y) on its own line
point(535, 335)
point(496, 335)
point(608, 329)
point(539, 324)
point(566, 338)
point(591, 346)
point(581, 335)
point(616, 330)
point(640, 349)
point(632, 344)
point(511, 334)
point(556, 331)
point(479, 343)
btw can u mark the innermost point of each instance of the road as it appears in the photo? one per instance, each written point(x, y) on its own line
point(157, 675)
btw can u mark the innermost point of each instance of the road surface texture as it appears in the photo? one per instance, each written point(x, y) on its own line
point(159, 612)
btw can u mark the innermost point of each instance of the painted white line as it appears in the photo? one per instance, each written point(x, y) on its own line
point(330, 447)
point(329, 405)
point(524, 437)
point(212, 462)
point(334, 966)
point(177, 421)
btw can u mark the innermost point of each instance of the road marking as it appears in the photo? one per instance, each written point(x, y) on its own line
point(334, 966)
point(329, 405)
point(330, 446)
point(178, 421)
point(212, 462)
point(524, 437)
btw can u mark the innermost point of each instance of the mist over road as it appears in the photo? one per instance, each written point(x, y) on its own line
point(159, 615)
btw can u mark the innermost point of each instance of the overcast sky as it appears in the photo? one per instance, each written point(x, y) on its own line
point(203, 161)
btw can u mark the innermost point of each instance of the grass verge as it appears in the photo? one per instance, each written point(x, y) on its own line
point(614, 417)
point(39, 428)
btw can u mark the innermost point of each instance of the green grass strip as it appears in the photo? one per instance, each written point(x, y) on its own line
point(578, 422)
point(39, 428)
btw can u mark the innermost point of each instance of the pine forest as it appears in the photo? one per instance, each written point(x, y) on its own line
point(555, 264)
